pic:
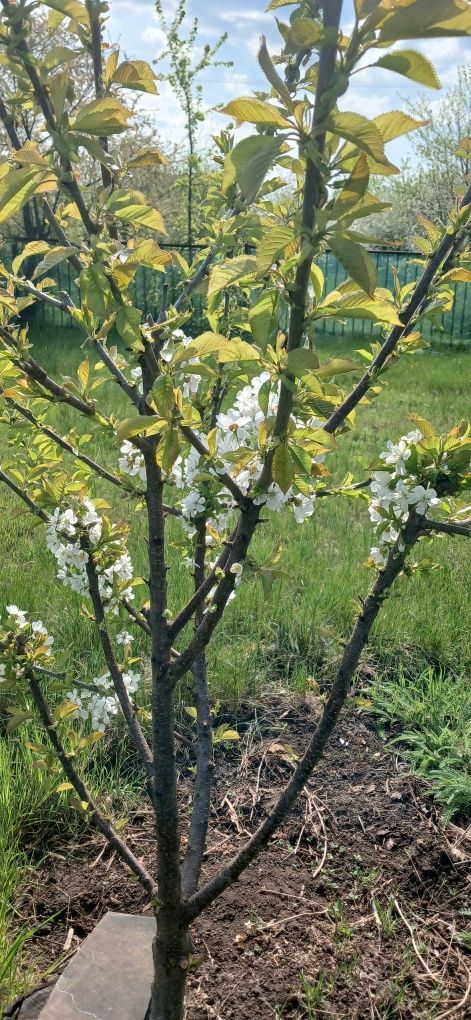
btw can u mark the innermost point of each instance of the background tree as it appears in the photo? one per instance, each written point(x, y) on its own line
point(438, 170)
point(185, 68)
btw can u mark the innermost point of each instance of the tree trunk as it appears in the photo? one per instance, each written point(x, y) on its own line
point(171, 952)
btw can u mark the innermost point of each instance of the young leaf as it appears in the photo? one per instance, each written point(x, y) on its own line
point(70, 9)
point(356, 260)
point(54, 257)
point(141, 424)
point(32, 248)
point(249, 162)
point(395, 123)
point(302, 361)
point(282, 468)
point(255, 111)
point(229, 272)
point(363, 133)
point(426, 19)
point(136, 74)
point(127, 206)
point(128, 322)
point(262, 318)
point(102, 117)
point(354, 188)
point(95, 288)
point(413, 65)
point(16, 187)
point(272, 244)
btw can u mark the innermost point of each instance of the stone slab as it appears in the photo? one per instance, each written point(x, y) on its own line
point(110, 976)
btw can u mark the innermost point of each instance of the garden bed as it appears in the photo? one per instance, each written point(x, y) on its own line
point(359, 909)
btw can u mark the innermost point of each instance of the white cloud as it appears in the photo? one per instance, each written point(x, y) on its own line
point(236, 84)
point(155, 34)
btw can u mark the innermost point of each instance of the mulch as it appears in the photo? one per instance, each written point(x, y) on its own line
point(358, 910)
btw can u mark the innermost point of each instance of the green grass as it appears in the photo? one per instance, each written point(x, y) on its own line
point(432, 712)
point(296, 633)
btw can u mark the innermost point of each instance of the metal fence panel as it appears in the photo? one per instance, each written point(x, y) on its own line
point(454, 327)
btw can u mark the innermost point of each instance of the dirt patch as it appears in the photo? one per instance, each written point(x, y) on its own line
point(359, 909)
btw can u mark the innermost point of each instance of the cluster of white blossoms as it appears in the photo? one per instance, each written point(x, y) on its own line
point(395, 492)
point(65, 533)
point(238, 429)
point(98, 703)
point(131, 461)
point(22, 642)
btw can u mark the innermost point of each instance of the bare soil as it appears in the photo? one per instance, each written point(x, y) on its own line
point(358, 910)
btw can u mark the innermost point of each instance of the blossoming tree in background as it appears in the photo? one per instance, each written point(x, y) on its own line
point(224, 429)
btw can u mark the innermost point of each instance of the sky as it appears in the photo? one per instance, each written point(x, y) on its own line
point(134, 24)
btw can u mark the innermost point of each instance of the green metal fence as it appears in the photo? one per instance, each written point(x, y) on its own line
point(454, 327)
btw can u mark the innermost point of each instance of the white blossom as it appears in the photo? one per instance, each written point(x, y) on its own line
point(131, 461)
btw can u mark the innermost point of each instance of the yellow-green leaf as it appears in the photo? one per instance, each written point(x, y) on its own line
point(70, 9)
point(363, 133)
point(356, 260)
point(224, 274)
point(16, 187)
point(54, 257)
point(354, 188)
point(337, 366)
point(95, 288)
point(128, 206)
point(32, 248)
point(142, 424)
point(272, 244)
point(249, 162)
point(247, 110)
point(395, 123)
point(282, 468)
point(302, 361)
point(128, 323)
point(106, 116)
point(136, 74)
point(426, 19)
point(413, 65)
point(262, 318)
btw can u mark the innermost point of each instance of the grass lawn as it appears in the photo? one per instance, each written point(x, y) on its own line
point(295, 637)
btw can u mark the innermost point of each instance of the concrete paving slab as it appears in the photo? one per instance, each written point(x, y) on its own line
point(110, 976)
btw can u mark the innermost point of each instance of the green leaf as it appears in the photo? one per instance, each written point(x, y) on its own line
point(70, 9)
point(272, 75)
point(106, 116)
point(59, 55)
point(229, 272)
point(54, 257)
point(358, 306)
point(424, 426)
point(95, 289)
point(262, 318)
point(224, 349)
point(413, 65)
point(247, 110)
point(128, 322)
point(317, 280)
point(395, 123)
point(282, 469)
point(337, 366)
point(249, 162)
point(272, 244)
point(136, 74)
point(128, 206)
point(302, 361)
point(363, 133)
point(148, 156)
point(457, 275)
point(16, 187)
point(354, 188)
point(141, 424)
point(32, 248)
point(426, 19)
point(305, 34)
point(357, 261)
point(170, 450)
